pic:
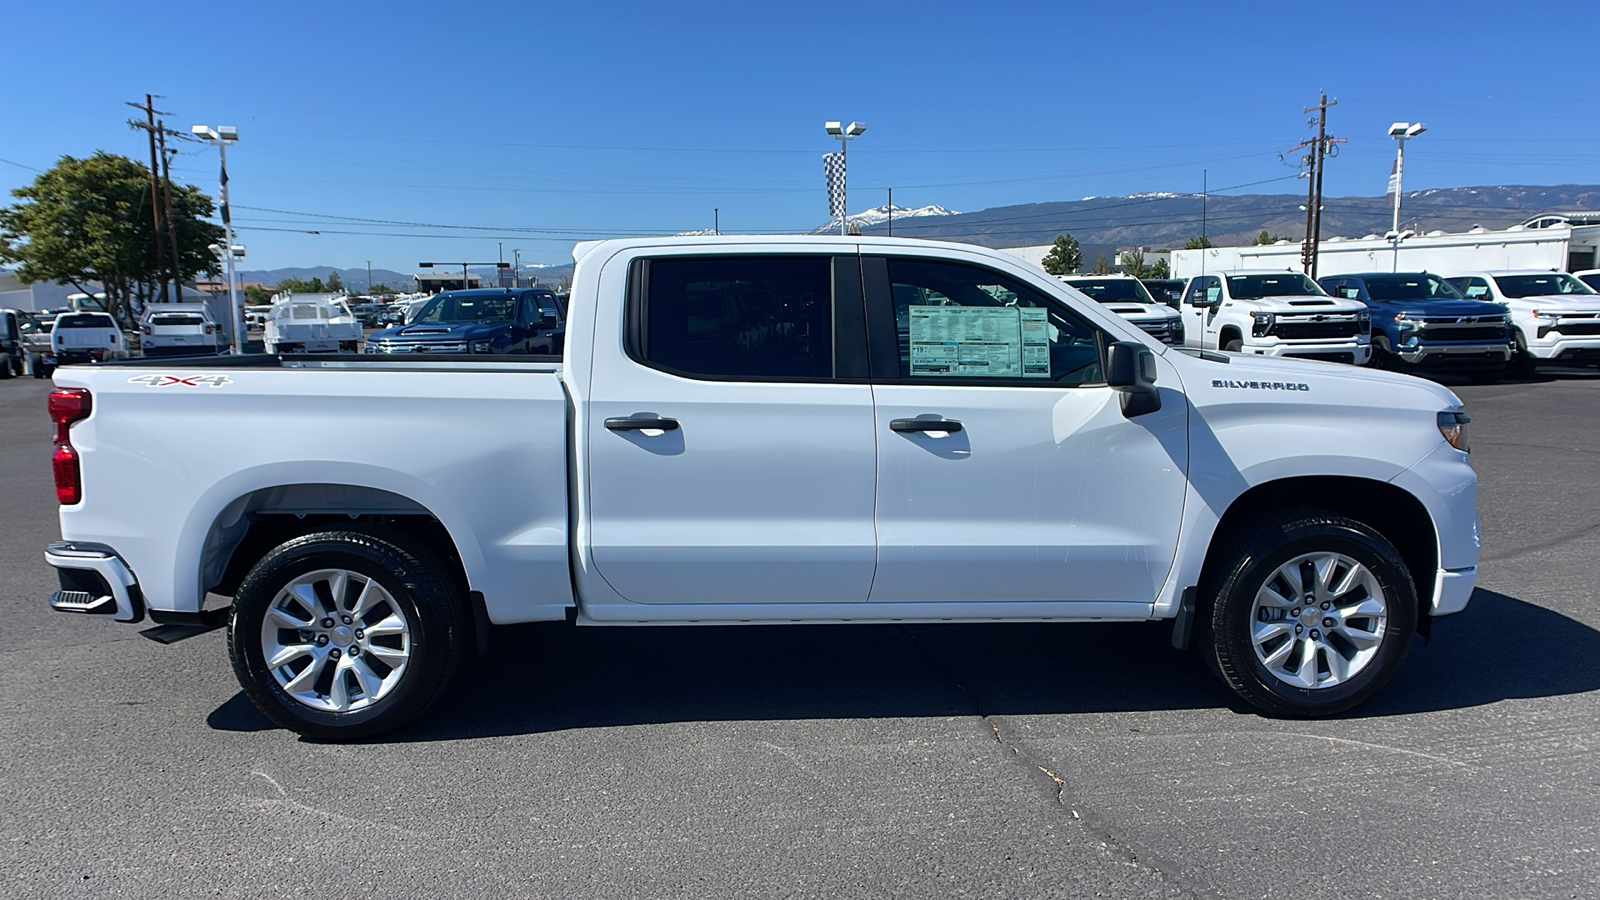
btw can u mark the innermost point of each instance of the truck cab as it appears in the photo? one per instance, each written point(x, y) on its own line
point(1274, 313)
point(1554, 316)
point(1127, 297)
point(1420, 320)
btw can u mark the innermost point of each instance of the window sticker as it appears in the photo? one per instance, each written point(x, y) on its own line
point(1002, 342)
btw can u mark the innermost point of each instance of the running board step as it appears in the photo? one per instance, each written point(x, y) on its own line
point(182, 626)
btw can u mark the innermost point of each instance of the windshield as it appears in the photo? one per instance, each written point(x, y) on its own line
point(84, 320)
point(1541, 285)
point(1411, 287)
point(446, 309)
point(32, 327)
point(1121, 290)
point(177, 319)
point(1285, 284)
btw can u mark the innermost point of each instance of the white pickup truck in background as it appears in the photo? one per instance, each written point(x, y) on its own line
point(768, 430)
point(80, 337)
point(179, 329)
point(1275, 313)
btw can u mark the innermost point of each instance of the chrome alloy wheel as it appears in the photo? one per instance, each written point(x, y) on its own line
point(336, 640)
point(1318, 620)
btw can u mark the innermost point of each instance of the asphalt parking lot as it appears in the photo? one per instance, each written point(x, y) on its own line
point(822, 761)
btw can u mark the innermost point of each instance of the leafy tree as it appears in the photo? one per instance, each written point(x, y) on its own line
point(1102, 266)
point(1133, 264)
point(382, 290)
point(1160, 270)
point(1065, 257)
point(1199, 243)
point(335, 283)
point(1264, 239)
point(256, 295)
point(301, 285)
point(88, 220)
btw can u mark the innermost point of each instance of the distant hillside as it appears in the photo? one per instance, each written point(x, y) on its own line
point(354, 279)
point(1168, 220)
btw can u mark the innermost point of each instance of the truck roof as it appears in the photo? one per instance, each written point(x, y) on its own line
point(584, 248)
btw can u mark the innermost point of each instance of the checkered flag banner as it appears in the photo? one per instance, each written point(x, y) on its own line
point(833, 165)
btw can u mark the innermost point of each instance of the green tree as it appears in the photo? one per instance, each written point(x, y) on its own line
point(335, 283)
point(256, 295)
point(1102, 266)
point(1199, 243)
point(1264, 239)
point(382, 290)
point(1065, 257)
point(301, 285)
point(1133, 263)
point(88, 220)
point(1160, 270)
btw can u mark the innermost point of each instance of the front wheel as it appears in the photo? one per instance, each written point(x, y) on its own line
point(1310, 613)
point(1521, 364)
point(345, 634)
point(1234, 345)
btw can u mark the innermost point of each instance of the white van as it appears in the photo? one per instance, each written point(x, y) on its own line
point(179, 329)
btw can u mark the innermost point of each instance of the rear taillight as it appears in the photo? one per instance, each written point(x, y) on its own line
point(68, 405)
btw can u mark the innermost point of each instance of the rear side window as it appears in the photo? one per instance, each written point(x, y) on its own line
point(738, 317)
point(177, 319)
point(84, 321)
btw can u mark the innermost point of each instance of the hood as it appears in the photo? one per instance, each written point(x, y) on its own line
point(1302, 304)
point(1443, 307)
point(1560, 302)
point(436, 331)
point(1140, 312)
point(1289, 369)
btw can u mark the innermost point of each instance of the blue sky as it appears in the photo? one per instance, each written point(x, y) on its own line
point(538, 124)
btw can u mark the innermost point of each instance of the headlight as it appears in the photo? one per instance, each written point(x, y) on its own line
point(1453, 426)
point(1263, 323)
point(1541, 314)
point(479, 346)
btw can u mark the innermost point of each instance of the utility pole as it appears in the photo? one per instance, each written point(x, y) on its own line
point(149, 126)
point(716, 220)
point(891, 212)
point(173, 254)
point(1314, 162)
point(516, 267)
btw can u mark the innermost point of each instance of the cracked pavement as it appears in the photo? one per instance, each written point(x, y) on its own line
point(838, 761)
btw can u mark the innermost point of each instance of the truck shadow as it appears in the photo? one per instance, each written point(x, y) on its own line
point(542, 678)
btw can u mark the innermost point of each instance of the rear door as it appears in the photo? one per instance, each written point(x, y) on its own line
point(1007, 471)
point(731, 451)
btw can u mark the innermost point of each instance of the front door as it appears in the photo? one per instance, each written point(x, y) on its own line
point(731, 453)
point(1200, 305)
point(1007, 472)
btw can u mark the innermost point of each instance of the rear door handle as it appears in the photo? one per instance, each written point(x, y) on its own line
point(641, 423)
point(905, 426)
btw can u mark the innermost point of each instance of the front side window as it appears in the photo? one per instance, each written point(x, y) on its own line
point(739, 316)
point(955, 321)
point(1473, 288)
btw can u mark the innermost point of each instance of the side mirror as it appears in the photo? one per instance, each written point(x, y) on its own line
point(1131, 372)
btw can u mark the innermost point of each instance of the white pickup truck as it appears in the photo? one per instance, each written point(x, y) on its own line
point(768, 430)
point(1275, 313)
point(1555, 317)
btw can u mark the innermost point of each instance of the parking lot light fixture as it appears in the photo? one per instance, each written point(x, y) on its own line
point(845, 134)
point(222, 136)
point(1401, 132)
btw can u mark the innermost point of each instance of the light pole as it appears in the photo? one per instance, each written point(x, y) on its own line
point(222, 136)
point(1401, 132)
point(845, 134)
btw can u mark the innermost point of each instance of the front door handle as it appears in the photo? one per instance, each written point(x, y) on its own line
point(641, 423)
point(907, 426)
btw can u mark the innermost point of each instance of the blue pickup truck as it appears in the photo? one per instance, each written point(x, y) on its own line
point(499, 321)
point(1420, 321)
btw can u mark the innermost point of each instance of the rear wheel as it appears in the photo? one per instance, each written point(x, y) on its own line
point(1310, 614)
point(345, 634)
point(8, 367)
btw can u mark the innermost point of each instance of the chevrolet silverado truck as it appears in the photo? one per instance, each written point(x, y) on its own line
point(1275, 313)
point(1555, 318)
point(485, 320)
point(1421, 321)
point(1127, 297)
point(767, 430)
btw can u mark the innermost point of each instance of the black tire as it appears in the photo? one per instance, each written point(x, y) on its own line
point(1243, 569)
point(8, 368)
point(1383, 353)
point(1234, 346)
point(1521, 365)
point(416, 580)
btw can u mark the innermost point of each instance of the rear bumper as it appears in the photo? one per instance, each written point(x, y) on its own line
point(94, 581)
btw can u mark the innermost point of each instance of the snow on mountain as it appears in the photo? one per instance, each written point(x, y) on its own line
point(879, 215)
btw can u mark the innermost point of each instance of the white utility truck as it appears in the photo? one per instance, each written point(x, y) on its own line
point(1275, 313)
point(1555, 317)
point(767, 430)
point(311, 323)
point(179, 329)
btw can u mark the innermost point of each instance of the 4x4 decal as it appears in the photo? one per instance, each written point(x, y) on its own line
point(215, 381)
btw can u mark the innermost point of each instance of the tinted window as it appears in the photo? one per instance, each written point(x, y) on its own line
point(1287, 284)
point(1473, 288)
point(1112, 290)
point(1541, 285)
point(960, 321)
point(740, 316)
point(84, 320)
point(1410, 287)
point(185, 318)
point(446, 308)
